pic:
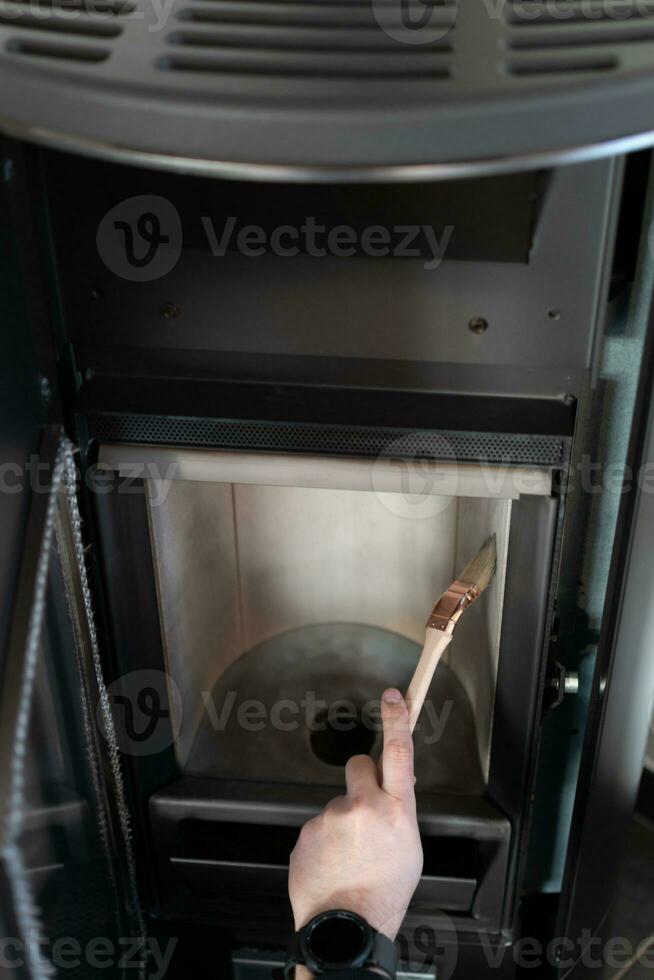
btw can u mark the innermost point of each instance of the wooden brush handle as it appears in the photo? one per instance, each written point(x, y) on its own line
point(436, 643)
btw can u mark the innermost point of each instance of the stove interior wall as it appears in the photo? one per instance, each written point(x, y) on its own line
point(240, 565)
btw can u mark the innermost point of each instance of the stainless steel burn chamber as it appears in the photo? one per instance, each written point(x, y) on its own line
point(290, 579)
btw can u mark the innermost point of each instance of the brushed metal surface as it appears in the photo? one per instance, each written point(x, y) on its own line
point(328, 663)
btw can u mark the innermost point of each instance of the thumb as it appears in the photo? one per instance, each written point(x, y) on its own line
point(397, 759)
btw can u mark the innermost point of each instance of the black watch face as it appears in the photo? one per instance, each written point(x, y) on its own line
point(336, 939)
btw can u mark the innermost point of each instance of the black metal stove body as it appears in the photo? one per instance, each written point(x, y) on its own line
point(279, 377)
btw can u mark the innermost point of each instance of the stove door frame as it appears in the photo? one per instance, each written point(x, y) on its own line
point(620, 710)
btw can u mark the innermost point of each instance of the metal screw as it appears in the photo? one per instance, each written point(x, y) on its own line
point(8, 170)
point(46, 393)
point(170, 310)
point(478, 325)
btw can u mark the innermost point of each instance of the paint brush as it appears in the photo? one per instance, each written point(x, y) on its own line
point(466, 589)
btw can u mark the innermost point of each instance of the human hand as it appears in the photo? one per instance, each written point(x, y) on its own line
point(363, 853)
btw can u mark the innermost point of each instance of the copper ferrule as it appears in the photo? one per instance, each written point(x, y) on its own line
point(450, 607)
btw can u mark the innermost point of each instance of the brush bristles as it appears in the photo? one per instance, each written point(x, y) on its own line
point(481, 569)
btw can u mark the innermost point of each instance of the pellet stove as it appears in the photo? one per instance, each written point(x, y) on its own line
point(242, 463)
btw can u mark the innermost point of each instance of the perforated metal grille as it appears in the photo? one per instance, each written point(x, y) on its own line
point(307, 39)
point(326, 83)
point(575, 36)
point(78, 31)
point(331, 440)
point(329, 42)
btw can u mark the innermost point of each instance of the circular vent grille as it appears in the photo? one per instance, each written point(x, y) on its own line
point(548, 37)
point(71, 31)
point(335, 85)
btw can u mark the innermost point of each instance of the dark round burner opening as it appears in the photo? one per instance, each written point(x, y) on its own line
point(338, 733)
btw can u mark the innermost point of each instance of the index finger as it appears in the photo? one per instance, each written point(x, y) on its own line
point(397, 759)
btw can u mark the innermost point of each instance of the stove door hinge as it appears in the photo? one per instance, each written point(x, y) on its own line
point(560, 680)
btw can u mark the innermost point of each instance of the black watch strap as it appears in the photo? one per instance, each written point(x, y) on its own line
point(384, 955)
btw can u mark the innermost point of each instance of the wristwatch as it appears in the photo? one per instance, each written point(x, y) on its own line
point(340, 940)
